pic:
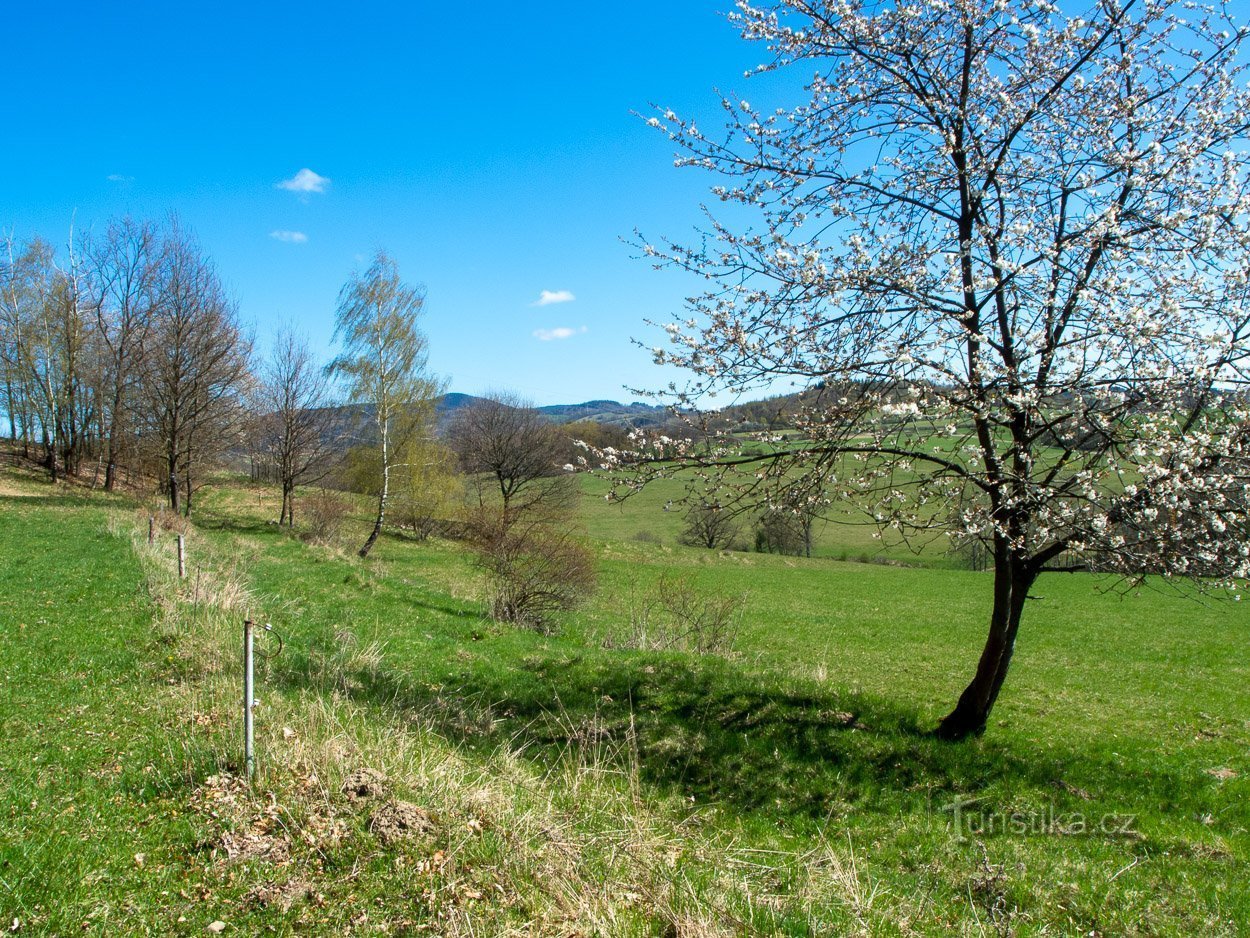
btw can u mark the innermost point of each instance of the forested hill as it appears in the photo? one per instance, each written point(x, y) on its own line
point(610, 412)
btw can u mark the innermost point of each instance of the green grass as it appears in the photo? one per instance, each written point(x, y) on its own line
point(656, 515)
point(789, 789)
point(95, 760)
point(1119, 705)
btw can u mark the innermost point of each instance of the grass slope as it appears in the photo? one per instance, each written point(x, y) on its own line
point(761, 740)
point(572, 789)
point(95, 759)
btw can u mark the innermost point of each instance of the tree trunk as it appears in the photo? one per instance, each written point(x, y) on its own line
point(49, 458)
point(175, 500)
point(384, 426)
point(377, 528)
point(114, 443)
point(12, 411)
point(1012, 580)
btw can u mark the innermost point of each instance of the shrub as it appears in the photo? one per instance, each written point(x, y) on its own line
point(673, 615)
point(536, 570)
point(325, 513)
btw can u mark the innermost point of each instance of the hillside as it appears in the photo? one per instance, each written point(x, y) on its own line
point(353, 422)
point(572, 784)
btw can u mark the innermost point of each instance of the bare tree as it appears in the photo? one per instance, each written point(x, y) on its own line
point(505, 444)
point(195, 372)
point(74, 342)
point(385, 363)
point(709, 525)
point(123, 264)
point(1004, 246)
point(522, 526)
point(293, 424)
point(785, 530)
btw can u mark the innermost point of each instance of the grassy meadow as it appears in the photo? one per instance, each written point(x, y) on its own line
point(563, 785)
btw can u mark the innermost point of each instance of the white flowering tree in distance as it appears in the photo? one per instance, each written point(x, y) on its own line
point(1003, 246)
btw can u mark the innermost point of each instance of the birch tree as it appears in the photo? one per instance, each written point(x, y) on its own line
point(47, 352)
point(1003, 247)
point(26, 281)
point(384, 363)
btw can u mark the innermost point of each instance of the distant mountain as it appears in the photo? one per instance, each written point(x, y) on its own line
point(355, 421)
point(636, 414)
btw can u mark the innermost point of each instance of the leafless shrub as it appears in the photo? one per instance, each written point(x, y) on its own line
point(536, 570)
point(674, 615)
point(326, 512)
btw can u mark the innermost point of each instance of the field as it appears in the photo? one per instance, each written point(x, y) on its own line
point(550, 785)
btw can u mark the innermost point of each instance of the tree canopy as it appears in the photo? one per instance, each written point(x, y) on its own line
point(1004, 249)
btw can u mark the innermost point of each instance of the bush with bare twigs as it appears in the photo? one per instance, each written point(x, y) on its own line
point(536, 569)
point(674, 615)
point(326, 513)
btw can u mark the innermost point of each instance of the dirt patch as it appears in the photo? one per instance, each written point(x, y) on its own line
point(365, 784)
point(841, 719)
point(395, 821)
point(258, 842)
point(279, 895)
point(1072, 789)
point(250, 834)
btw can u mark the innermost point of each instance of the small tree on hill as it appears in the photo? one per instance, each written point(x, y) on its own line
point(505, 445)
point(385, 364)
point(1005, 244)
point(781, 531)
point(526, 506)
point(293, 423)
point(709, 525)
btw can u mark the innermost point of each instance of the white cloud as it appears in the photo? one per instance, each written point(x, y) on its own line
point(547, 297)
point(290, 237)
point(118, 177)
point(559, 332)
point(304, 182)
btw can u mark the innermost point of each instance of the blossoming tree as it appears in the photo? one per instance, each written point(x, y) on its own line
point(1004, 247)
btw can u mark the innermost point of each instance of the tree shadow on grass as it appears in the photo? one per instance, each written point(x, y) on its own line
point(231, 524)
point(700, 727)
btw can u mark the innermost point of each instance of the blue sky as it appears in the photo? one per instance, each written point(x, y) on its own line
point(489, 147)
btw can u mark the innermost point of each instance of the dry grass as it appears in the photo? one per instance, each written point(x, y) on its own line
point(576, 848)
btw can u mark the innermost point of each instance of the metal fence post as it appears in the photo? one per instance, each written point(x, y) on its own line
point(249, 756)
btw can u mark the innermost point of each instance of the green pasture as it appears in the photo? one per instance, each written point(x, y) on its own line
point(791, 784)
